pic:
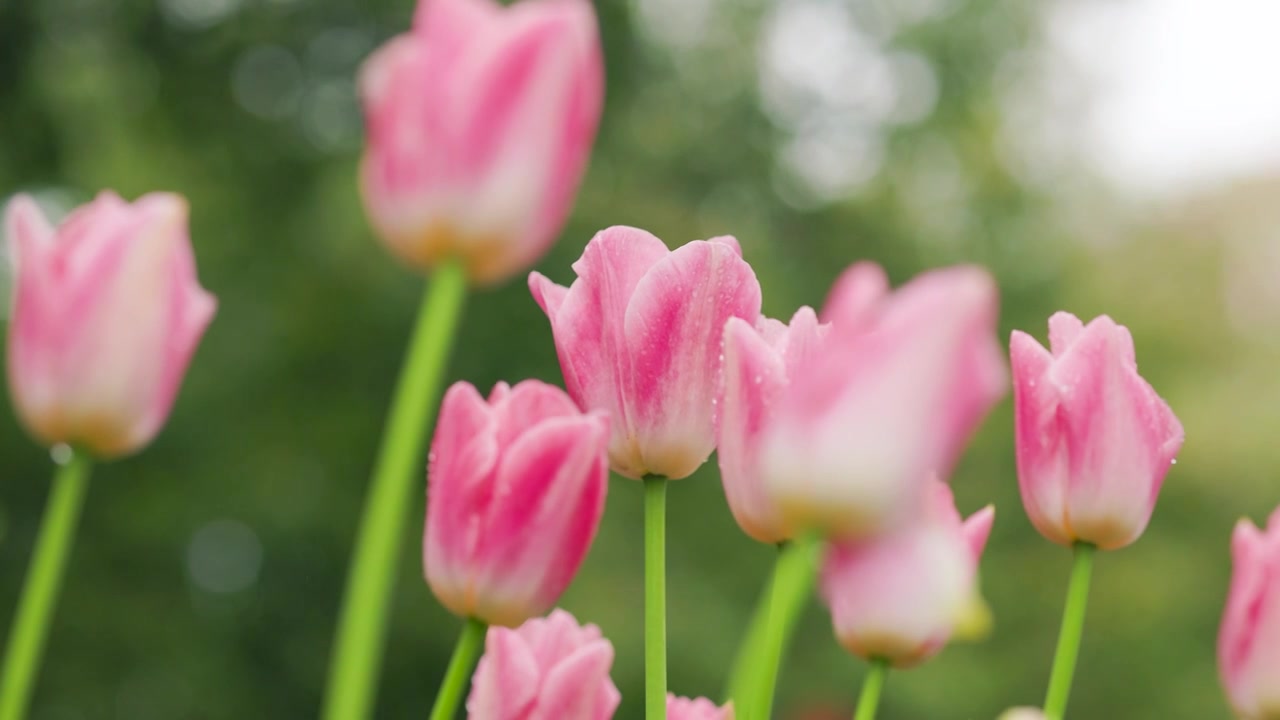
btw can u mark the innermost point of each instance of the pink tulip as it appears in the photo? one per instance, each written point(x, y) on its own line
point(900, 596)
point(902, 382)
point(515, 492)
point(107, 312)
point(1094, 441)
point(1249, 642)
point(480, 123)
point(639, 336)
point(758, 364)
point(679, 708)
point(547, 669)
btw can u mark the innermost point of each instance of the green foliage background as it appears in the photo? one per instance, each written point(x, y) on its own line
point(277, 422)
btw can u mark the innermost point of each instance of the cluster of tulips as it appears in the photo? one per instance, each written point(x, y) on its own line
point(835, 433)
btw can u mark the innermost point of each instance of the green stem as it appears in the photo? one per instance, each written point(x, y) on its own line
point(742, 673)
point(872, 686)
point(655, 598)
point(792, 583)
point(1064, 660)
point(362, 628)
point(457, 677)
point(44, 577)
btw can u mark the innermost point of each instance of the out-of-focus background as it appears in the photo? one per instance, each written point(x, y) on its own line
point(1117, 156)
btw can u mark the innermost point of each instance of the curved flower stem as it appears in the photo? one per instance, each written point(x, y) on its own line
point(44, 578)
point(872, 686)
point(655, 597)
point(742, 674)
point(362, 628)
point(792, 583)
point(1064, 660)
point(457, 677)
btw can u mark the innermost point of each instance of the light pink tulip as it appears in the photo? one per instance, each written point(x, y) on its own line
point(480, 123)
point(107, 312)
point(679, 708)
point(901, 595)
point(758, 364)
point(547, 669)
point(1094, 441)
point(1249, 641)
point(515, 492)
point(902, 382)
point(639, 336)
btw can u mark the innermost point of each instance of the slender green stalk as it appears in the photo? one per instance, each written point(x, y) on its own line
point(792, 583)
point(1064, 660)
point(457, 677)
point(872, 686)
point(655, 597)
point(362, 628)
point(742, 674)
point(44, 578)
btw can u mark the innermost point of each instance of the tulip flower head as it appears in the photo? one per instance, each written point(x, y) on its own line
point(758, 364)
point(901, 596)
point(1094, 440)
point(107, 313)
point(515, 492)
point(902, 382)
point(480, 123)
point(680, 708)
point(547, 669)
point(1249, 641)
point(639, 336)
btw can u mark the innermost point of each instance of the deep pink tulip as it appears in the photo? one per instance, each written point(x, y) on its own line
point(480, 123)
point(515, 492)
point(902, 382)
point(547, 669)
point(1094, 441)
point(679, 708)
point(107, 313)
point(758, 364)
point(639, 336)
point(901, 595)
point(1249, 641)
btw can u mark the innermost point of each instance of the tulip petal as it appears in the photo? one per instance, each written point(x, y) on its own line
point(562, 695)
point(674, 325)
point(855, 295)
point(506, 680)
point(1040, 439)
point(1064, 330)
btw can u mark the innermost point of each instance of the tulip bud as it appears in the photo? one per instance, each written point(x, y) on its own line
point(1094, 441)
point(107, 312)
point(758, 364)
point(515, 492)
point(900, 596)
point(1023, 713)
point(480, 123)
point(679, 708)
point(547, 669)
point(639, 336)
point(901, 383)
point(1249, 641)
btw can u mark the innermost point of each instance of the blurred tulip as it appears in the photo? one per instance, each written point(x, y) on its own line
point(902, 382)
point(758, 362)
point(547, 669)
point(1094, 441)
point(1023, 713)
point(1249, 641)
point(902, 595)
point(679, 708)
point(639, 336)
point(107, 312)
point(515, 492)
point(480, 123)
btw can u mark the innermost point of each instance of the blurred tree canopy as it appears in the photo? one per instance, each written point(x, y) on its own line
point(209, 569)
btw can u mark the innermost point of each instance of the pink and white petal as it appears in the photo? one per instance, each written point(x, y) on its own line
point(1064, 328)
point(546, 507)
point(855, 297)
point(526, 405)
point(570, 691)
point(506, 681)
point(674, 326)
point(977, 528)
point(1040, 439)
point(753, 376)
